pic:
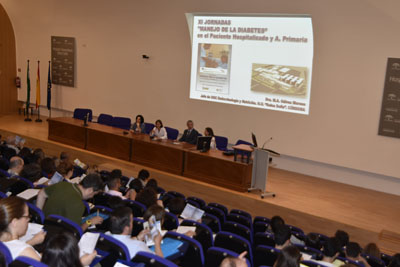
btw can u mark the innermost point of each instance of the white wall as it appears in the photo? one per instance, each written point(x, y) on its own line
point(353, 39)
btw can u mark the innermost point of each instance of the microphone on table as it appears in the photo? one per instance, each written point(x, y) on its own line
point(85, 120)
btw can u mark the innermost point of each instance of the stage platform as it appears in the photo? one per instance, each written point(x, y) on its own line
point(310, 203)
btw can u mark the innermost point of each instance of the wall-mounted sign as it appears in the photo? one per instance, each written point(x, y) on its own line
point(389, 124)
point(63, 60)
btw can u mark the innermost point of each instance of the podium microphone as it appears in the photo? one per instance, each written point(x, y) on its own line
point(269, 139)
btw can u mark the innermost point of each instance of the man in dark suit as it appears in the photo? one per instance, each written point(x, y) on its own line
point(190, 134)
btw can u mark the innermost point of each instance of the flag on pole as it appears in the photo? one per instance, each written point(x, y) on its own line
point(38, 86)
point(28, 90)
point(49, 90)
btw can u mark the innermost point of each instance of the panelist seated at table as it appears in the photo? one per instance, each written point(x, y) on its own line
point(190, 134)
point(159, 131)
point(138, 126)
point(209, 132)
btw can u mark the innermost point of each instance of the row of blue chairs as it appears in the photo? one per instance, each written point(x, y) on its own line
point(125, 123)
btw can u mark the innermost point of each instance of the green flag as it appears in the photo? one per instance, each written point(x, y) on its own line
point(28, 91)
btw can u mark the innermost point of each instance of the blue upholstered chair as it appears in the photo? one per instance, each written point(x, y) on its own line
point(22, 261)
point(172, 133)
point(215, 255)
point(105, 119)
point(121, 122)
point(221, 142)
point(148, 127)
point(151, 260)
point(265, 255)
point(80, 113)
point(235, 243)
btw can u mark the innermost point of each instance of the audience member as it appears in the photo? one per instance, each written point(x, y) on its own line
point(62, 250)
point(147, 197)
point(277, 222)
point(138, 126)
point(331, 250)
point(49, 167)
point(282, 236)
point(121, 228)
point(176, 206)
point(395, 261)
point(152, 183)
point(159, 131)
point(32, 172)
point(37, 156)
point(65, 199)
point(114, 183)
point(14, 219)
point(25, 154)
point(65, 169)
point(290, 256)
point(342, 237)
point(372, 250)
point(235, 262)
point(16, 166)
point(143, 175)
point(65, 157)
point(209, 132)
point(353, 252)
point(190, 134)
point(313, 241)
point(136, 185)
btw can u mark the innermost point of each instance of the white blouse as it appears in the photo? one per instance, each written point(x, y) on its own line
point(162, 133)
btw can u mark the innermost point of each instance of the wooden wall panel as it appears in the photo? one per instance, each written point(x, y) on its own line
point(8, 91)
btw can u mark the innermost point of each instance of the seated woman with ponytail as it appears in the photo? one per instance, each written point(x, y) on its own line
point(14, 219)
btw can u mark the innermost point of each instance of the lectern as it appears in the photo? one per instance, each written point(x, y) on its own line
point(260, 172)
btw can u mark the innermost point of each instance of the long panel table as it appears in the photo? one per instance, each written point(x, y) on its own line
point(178, 158)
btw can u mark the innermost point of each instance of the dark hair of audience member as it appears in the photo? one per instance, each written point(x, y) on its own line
point(24, 153)
point(120, 218)
point(143, 175)
point(155, 210)
point(136, 185)
point(10, 208)
point(141, 118)
point(282, 234)
point(92, 180)
point(353, 250)
point(372, 250)
point(210, 131)
point(276, 222)
point(176, 205)
point(113, 182)
point(8, 152)
point(64, 156)
point(48, 166)
point(313, 241)
point(32, 172)
point(116, 173)
point(289, 257)
point(62, 250)
point(342, 237)
point(331, 247)
point(159, 121)
point(152, 183)
point(38, 155)
point(147, 197)
point(395, 261)
point(64, 168)
point(115, 202)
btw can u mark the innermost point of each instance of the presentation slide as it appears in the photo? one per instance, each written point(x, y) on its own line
point(255, 61)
